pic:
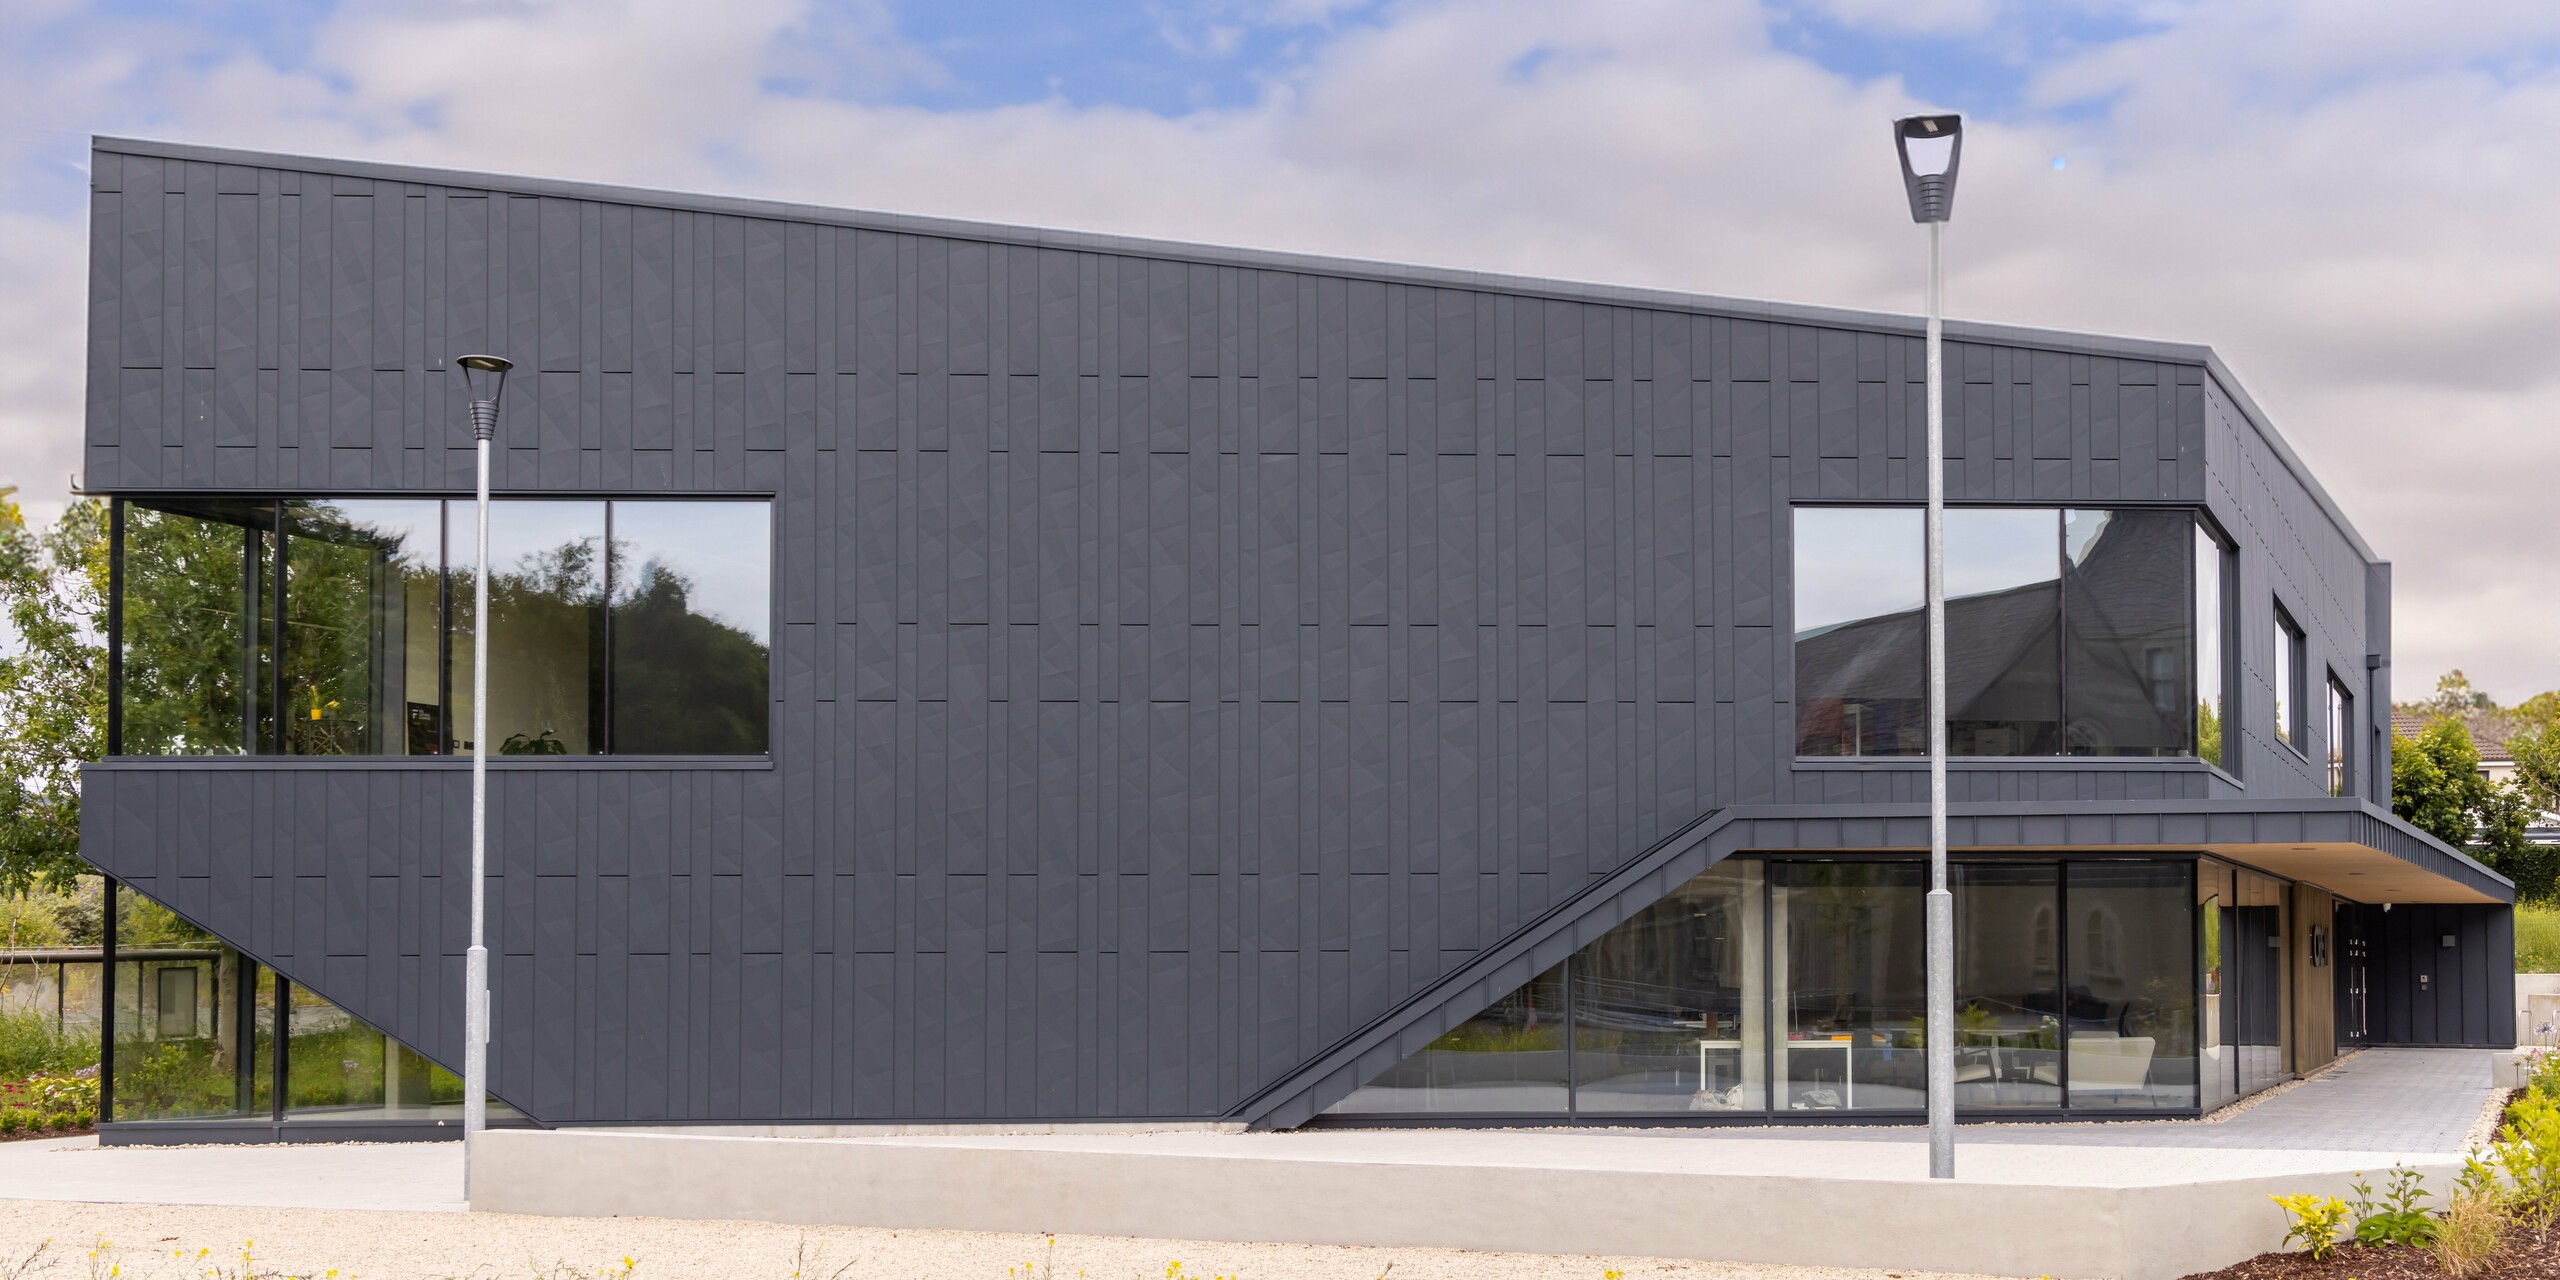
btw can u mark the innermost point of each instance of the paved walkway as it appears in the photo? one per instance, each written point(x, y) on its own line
point(399, 1175)
point(2405, 1100)
point(2382, 1103)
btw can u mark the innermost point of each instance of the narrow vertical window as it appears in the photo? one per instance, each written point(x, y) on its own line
point(2212, 677)
point(2288, 681)
point(2341, 742)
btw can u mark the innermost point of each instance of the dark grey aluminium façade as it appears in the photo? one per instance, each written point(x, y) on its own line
point(943, 672)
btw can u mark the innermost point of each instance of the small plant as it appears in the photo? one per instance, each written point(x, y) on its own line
point(2528, 1154)
point(2468, 1234)
point(2316, 1220)
point(2400, 1219)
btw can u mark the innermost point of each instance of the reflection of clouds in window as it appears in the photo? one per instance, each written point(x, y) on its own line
point(720, 551)
point(1854, 563)
point(1994, 551)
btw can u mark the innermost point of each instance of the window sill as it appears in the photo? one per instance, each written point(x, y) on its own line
point(569, 763)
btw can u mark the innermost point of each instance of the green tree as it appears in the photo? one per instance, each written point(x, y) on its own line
point(53, 689)
point(2455, 696)
point(2537, 757)
point(2436, 787)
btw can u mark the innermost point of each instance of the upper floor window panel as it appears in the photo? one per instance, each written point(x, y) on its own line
point(2068, 632)
point(343, 627)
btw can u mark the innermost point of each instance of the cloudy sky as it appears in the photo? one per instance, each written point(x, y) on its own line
point(2355, 201)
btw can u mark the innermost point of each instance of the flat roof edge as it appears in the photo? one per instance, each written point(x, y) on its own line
point(2223, 377)
point(2070, 341)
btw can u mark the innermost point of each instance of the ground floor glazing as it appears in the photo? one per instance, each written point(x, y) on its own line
point(1797, 985)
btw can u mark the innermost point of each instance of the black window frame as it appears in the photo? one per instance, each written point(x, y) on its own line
point(268, 739)
point(2338, 709)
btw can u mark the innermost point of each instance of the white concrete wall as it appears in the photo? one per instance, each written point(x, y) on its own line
point(2021, 1211)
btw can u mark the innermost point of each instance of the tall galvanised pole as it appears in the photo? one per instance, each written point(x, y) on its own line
point(489, 374)
point(1930, 146)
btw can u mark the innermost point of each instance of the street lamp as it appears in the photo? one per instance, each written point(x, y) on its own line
point(1930, 147)
point(485, 377)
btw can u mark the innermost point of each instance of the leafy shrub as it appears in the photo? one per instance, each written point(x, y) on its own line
point(2400, 1219)
point(30, 1044)
point(2528, 1153)
point(2316, 1220)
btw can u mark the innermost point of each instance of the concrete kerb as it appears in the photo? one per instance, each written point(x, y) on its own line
point(2016, 1214)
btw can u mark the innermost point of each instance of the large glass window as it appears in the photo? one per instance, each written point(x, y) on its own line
point(194, 1027)
point(2255, 963)
point(363, 581)
point(546, 633)
point(1850, 986)
point(2131, 632)
point(195, 586)
point(633, 627)
point(1861, 682)
point(2004, 612)
point(1511, 1058)
point(2008, 983)
point(1669, 1008)
point(1798, 983)
point(2077, 631)
point(2129, 1002)
point(690, 628)
point(2213, 674)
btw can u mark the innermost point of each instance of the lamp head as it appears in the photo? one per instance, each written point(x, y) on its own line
point(485, 375)
point(1930, 147)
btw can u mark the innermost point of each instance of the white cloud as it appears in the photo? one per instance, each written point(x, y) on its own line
point(2350, 201)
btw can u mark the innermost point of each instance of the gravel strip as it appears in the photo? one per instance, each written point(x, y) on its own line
point(495, 1246)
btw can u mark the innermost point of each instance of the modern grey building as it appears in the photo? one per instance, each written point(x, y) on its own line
point(951, 673)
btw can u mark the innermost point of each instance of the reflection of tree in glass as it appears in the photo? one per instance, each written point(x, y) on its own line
point(685, 683)
point(542, 643)
point(344, 580)
point(183, 659)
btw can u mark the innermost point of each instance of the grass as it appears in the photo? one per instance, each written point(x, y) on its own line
point(2538, 937)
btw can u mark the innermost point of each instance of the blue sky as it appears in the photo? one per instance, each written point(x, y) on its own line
point(2351, 199)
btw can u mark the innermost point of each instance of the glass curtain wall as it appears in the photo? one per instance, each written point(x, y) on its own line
point(363, 586)
point(2218, 1012)
point(546, 632)
point(192, 1021)
point(1669, 1011)
point(1798, 984)
point(196, 652)
point(2069, 631)
point(2129, 999)
point(2008, 985)
point(1509, 1059)
point(691, 628)
point(1861, 683)
point(1849, 985)
point(2131, 627)
point(194, 1030)
point(2004, 644)
point(374, 653)
point(2256, 944)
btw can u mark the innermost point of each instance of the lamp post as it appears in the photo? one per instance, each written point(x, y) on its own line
point(486, 379)
point(1930, 147)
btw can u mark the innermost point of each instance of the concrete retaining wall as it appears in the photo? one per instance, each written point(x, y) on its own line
point(1264, 1191)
